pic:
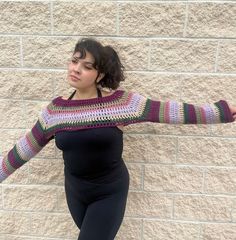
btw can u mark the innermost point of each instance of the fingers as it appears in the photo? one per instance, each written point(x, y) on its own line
point(234, 116)
point(233, 112)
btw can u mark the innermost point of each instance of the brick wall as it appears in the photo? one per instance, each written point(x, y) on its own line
point(183, 178)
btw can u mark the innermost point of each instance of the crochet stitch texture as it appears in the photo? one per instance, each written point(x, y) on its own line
point(119, 108)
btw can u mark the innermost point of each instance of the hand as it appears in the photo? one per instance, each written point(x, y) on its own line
point(233, 111)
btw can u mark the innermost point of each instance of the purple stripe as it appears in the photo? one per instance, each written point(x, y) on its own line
point(65, 102)
point(38, 134)
point(192, 114)
point(154, 111)
point(227, 113)
point(12, 160)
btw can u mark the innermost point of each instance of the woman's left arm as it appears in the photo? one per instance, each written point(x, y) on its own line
point(186, 113)
point(142, 109)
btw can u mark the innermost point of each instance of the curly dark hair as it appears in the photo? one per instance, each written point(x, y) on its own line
point(107, 61)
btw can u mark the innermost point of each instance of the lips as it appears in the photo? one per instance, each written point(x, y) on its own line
point(74, 77)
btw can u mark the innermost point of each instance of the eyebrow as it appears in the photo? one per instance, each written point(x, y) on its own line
point(84, 61)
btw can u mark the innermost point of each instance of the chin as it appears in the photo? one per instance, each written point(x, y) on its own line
point(72, 84)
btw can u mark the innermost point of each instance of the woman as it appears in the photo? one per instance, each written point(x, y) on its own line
point(87, 127)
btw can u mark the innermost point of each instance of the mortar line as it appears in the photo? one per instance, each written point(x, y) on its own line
point(119, 37)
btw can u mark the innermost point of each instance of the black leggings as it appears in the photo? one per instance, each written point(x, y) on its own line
point(97, 208)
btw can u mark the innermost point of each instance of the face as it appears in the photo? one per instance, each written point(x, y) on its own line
point(81, 73)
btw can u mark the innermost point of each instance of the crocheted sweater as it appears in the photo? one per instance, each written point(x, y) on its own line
point(119, 108)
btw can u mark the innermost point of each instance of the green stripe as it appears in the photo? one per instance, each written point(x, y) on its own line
point(221, 111)
point(161, 112)
point(16, 159)
point(186, 119)
point(146, 111)
point(17, 156)
point(198, 114)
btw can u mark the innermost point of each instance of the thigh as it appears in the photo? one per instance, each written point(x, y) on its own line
point(103, 218)
point(76, 207)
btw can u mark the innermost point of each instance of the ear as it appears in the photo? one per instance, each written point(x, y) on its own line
point(100, 77)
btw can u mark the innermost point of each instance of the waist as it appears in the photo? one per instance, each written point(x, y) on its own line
point(105, 176)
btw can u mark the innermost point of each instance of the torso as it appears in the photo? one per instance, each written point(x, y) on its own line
point(92, 154)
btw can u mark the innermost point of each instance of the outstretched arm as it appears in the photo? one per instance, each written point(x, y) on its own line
point(142, 109)
point(185, 113)
point(26, 147)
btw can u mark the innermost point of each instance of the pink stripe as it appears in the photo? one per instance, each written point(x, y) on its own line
point(167, 112)
point(4, 167)
point(34, 150)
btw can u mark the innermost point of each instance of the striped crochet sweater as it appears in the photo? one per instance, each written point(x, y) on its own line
point(119, 108)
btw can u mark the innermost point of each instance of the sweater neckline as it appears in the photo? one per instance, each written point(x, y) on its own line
point(59, 101)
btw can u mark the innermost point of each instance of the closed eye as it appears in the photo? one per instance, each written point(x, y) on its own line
point(88, 67)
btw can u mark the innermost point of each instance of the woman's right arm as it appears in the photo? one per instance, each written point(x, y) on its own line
point(26, 147)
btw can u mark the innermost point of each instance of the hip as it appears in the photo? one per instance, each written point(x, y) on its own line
point(87, 190)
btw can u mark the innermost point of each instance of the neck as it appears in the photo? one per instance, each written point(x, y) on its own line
point(86, 93)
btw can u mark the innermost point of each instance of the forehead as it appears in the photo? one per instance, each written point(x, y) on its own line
point(88, 56)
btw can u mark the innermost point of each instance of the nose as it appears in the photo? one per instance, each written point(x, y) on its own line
point(77, 67)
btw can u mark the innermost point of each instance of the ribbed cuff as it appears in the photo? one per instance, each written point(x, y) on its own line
point(227, 113)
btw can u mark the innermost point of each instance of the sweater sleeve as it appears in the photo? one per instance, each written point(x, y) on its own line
point(144, 109)
point(26, 147)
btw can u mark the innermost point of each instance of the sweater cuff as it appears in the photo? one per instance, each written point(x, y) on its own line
point(228, 117)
